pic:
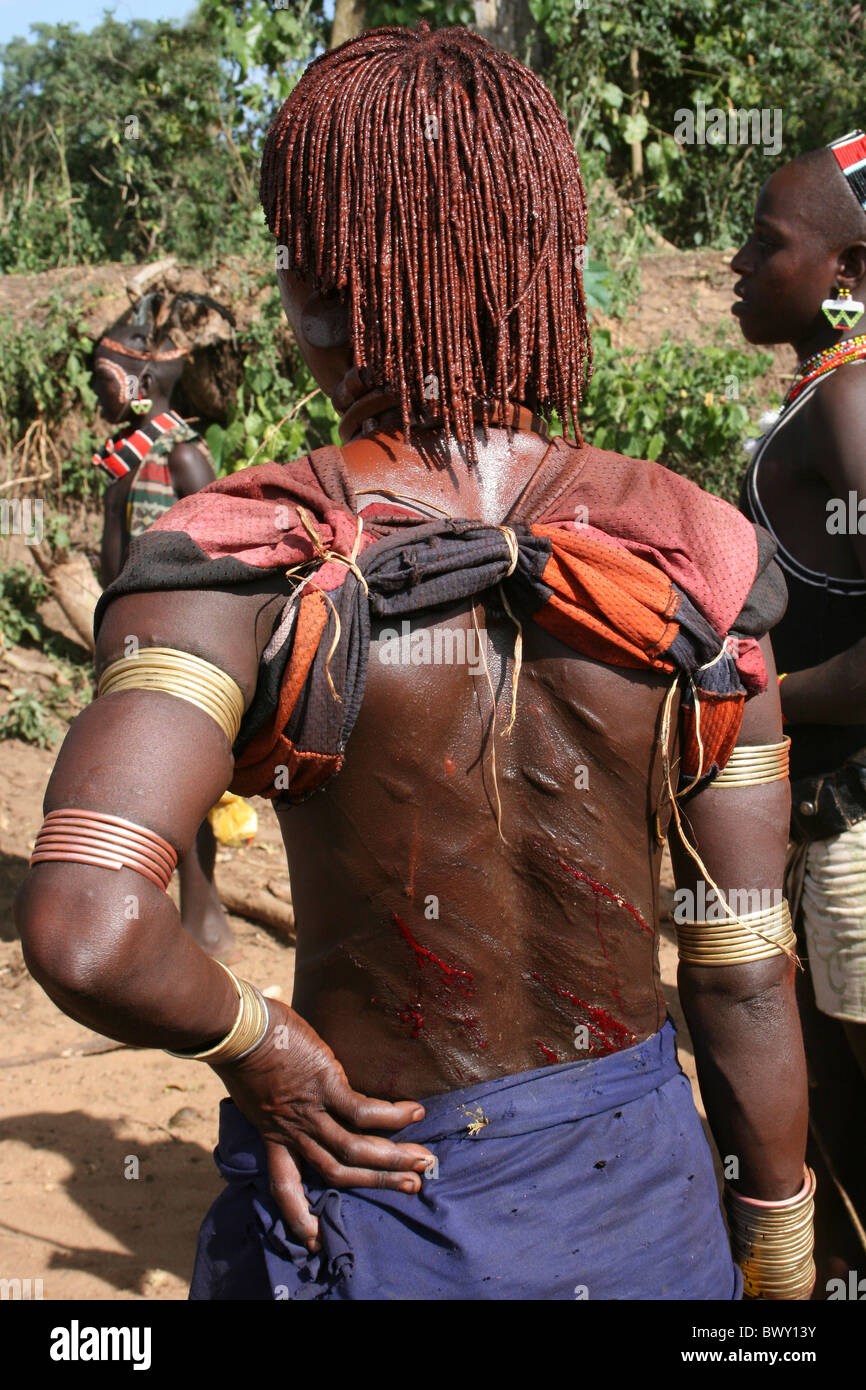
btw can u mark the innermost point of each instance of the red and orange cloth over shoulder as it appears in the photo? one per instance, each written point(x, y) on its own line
point(622, 560)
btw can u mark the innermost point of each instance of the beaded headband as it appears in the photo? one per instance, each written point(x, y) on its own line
point(850, 152)
point(170, 355)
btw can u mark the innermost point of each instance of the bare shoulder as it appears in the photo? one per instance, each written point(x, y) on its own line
point(839, 403)
point(190, 468)
point(837, 424)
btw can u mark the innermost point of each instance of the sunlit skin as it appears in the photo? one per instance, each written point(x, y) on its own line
point(785, 270)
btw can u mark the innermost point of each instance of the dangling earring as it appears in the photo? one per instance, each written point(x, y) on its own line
point(142, 405)
point(843, 311)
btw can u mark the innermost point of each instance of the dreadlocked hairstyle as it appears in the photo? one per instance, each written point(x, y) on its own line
point(432, 178)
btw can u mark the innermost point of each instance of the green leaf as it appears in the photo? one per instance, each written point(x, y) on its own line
point(611, 94)
point(635, 128)
point(597, 286)
point(215, 439)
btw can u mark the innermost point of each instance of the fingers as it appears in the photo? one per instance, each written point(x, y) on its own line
point(349, 389)
point(338, 1174)
point(368, 1150)
point(288, 1193)
point(343, 1160)
point(365, 1113)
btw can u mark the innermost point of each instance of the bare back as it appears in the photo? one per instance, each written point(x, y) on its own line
point(433, 951)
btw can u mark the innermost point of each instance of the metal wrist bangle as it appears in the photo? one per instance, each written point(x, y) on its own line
point(246, 1033)
point(773, 1242)
point(262, 1035)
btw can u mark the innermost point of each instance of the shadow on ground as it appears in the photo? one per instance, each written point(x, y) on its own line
point(155, 1215)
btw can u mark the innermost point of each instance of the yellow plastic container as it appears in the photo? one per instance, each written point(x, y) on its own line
point(233, 821)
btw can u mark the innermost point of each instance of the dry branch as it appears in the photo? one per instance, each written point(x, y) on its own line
point(259, 905)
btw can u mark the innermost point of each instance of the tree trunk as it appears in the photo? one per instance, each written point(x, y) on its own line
point(636, 145)
point(74, 587)
point(349, 21)
point(509, 24)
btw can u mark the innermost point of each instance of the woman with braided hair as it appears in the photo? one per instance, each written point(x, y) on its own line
point(474, 845)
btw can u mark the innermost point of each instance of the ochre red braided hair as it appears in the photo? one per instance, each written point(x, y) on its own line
point(432, 178)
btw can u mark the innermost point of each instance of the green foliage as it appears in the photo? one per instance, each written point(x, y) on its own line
point(21, 590)
point(437, 14)
point(45, 377)
point(621, 74)
point(55, 532)
point(27, 719)
point(616, 242)
point(75, 685)
point(682, 405)
point(29, 714)
point(140, 139)
point(265, 47)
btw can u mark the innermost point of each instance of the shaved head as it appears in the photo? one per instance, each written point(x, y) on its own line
point(830, 204)
point(807, 244)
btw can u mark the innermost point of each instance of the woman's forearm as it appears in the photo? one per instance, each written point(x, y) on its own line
point(752, 1071)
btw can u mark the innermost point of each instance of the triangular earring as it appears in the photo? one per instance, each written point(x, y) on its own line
point(141, 406)
point(843, 311)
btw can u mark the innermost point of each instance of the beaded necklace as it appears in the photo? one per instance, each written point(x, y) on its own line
point(812, 367)
point(827, 360)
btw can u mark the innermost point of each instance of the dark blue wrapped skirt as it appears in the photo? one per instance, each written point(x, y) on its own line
point(588, 1180)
